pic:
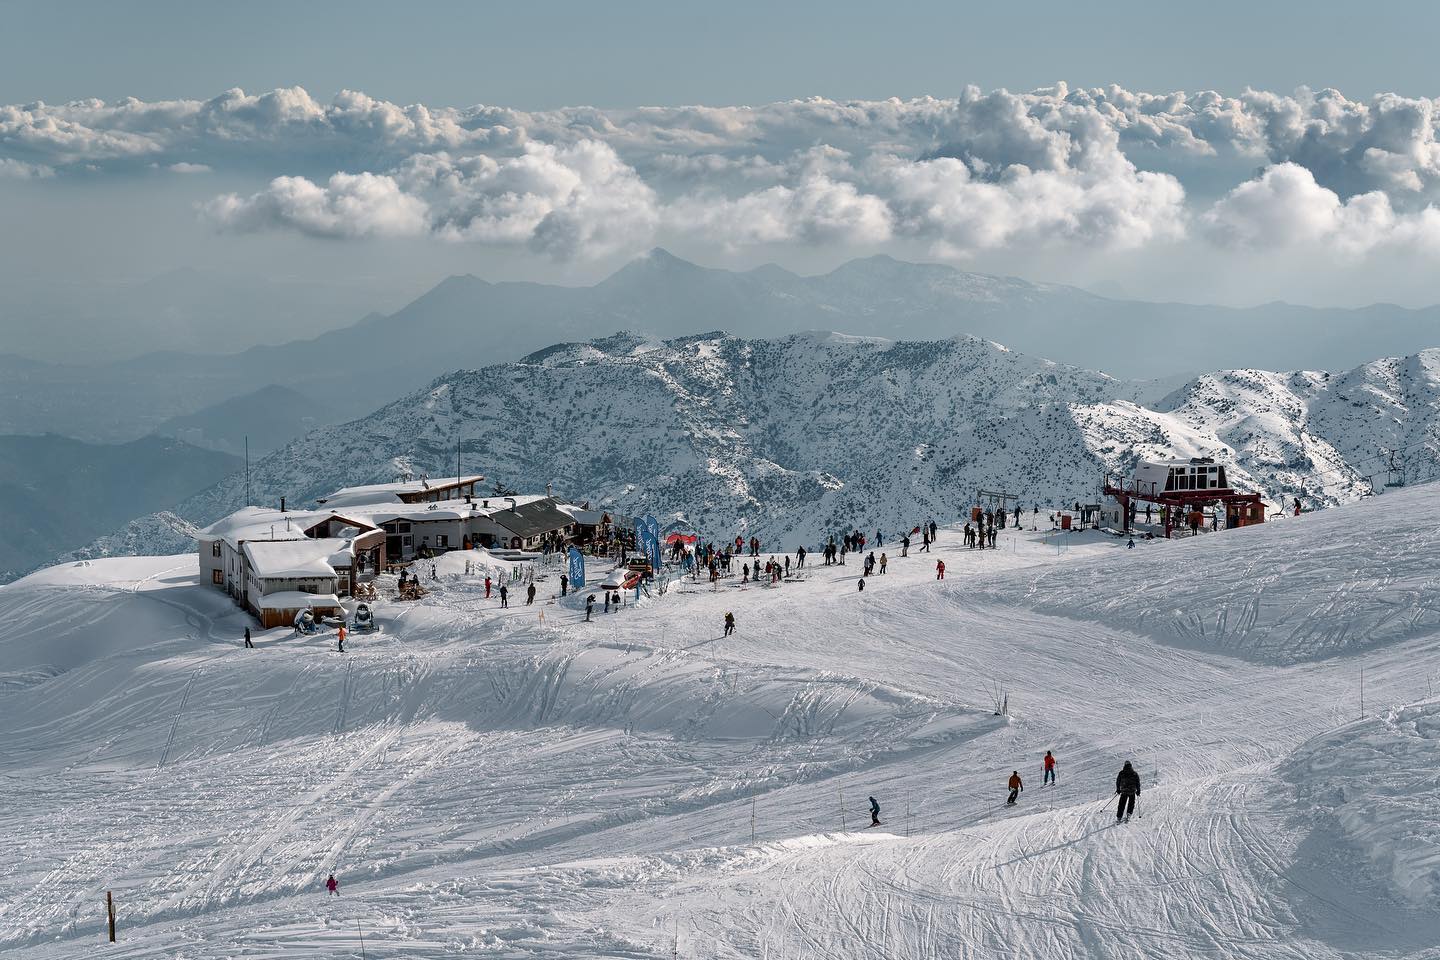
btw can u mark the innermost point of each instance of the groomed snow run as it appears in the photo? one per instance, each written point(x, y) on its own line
point(521, 783)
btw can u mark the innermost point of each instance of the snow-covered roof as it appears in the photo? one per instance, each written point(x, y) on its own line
point(297, 600)
point(373, 493)
point(588, 518)
point(263, 523)
point(296, 559)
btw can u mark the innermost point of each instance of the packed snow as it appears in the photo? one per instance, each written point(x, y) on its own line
point(523, 783)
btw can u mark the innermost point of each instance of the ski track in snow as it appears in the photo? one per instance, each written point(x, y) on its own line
point(487, 782)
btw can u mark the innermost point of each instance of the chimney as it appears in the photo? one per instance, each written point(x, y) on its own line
point(282, 504)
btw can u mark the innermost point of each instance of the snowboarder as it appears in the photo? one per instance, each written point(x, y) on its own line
point(1016, 786)
point(1049, 768)
point(564, 584)
point(504, 597)
point(333, 886)
point(874, 812)
point(939, 569)
point(729, 623)
point(1127, 785)
point(589, 606)
point(340, 638)
point(529, 594)
point(247, 639)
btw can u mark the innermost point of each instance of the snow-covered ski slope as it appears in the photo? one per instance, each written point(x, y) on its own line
point(495, 783)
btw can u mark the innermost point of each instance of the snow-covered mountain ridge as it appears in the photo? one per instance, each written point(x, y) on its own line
point(794, 436)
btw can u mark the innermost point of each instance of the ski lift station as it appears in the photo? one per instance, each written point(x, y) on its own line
point(1183, 490)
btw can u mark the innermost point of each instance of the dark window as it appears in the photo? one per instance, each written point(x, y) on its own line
point(217, 576)
point(215, 549)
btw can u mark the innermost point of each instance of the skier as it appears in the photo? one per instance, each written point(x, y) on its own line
point(884, 562)
point(874, 812)
point(1049, 768)
point(504, 597)
point(564, 584)
point(589, 607)
point(340, 639)
point(933, 529)
point(333, 886)
point(1016, 786)
point(729, 623)
point(1127, 785)
point(247, 639)
point(487, 586)
point(939, 569)
point(925, 543)
point(530, 595)
point(862, 584)
point(905, 546)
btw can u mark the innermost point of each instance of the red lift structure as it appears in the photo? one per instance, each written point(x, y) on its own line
point(1183, 489)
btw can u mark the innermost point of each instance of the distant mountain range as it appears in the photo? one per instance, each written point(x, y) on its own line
point(265, 419)
point(58, 494)
point(465, 322)
point(797, 436)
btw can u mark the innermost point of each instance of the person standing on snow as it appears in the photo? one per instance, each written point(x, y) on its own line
point(504, 597)
point(884, 562)
point(589, 606)
point(340, 639)
point(530, 595)
point(939, 569)
point(564, 584)
point(1016, 786)
point(905, 545)
point(933, 530)
point(729, 623)
point(862, 585)
point(1049, 768)
point(487, 586)
point(874, 812)
point(247, 639)
point(1127, 785)
point(333, 886)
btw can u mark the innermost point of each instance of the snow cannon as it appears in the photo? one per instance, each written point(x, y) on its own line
point(364, 619)
point(305, 622)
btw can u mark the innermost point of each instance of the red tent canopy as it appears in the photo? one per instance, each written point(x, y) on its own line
point(682, 537)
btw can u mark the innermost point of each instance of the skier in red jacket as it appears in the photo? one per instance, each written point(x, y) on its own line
point(333, 886)
point(1049, 768)
point(939, 569)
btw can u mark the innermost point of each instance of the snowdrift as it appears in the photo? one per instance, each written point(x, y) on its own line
point(1297, 589)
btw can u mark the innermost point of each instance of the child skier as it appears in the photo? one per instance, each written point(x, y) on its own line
point(1016, 785)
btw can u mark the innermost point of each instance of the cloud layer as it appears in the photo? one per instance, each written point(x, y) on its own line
point(1103, 168)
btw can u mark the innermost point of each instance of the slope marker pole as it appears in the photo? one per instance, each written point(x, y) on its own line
point(110, 913)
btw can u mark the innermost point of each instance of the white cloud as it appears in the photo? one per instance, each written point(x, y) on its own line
point(1096, 167)
point(1285, 207)
point(348, 206)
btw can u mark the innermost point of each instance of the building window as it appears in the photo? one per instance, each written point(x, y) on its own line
point(215, 549)
point(442, 540)
point(217, 577)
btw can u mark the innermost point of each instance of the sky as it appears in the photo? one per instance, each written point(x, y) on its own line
point(1235, 153)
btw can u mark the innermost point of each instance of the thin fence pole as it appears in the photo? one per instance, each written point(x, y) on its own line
point(110, 913)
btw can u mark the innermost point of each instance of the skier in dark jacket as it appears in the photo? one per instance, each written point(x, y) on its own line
point(1016, 785)
point(874, 812)
point(1127, 785)
point(529, 594)
point(504, 597)
point(729, 624)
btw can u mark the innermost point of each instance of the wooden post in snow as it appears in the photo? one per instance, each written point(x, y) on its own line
point(110, 913)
